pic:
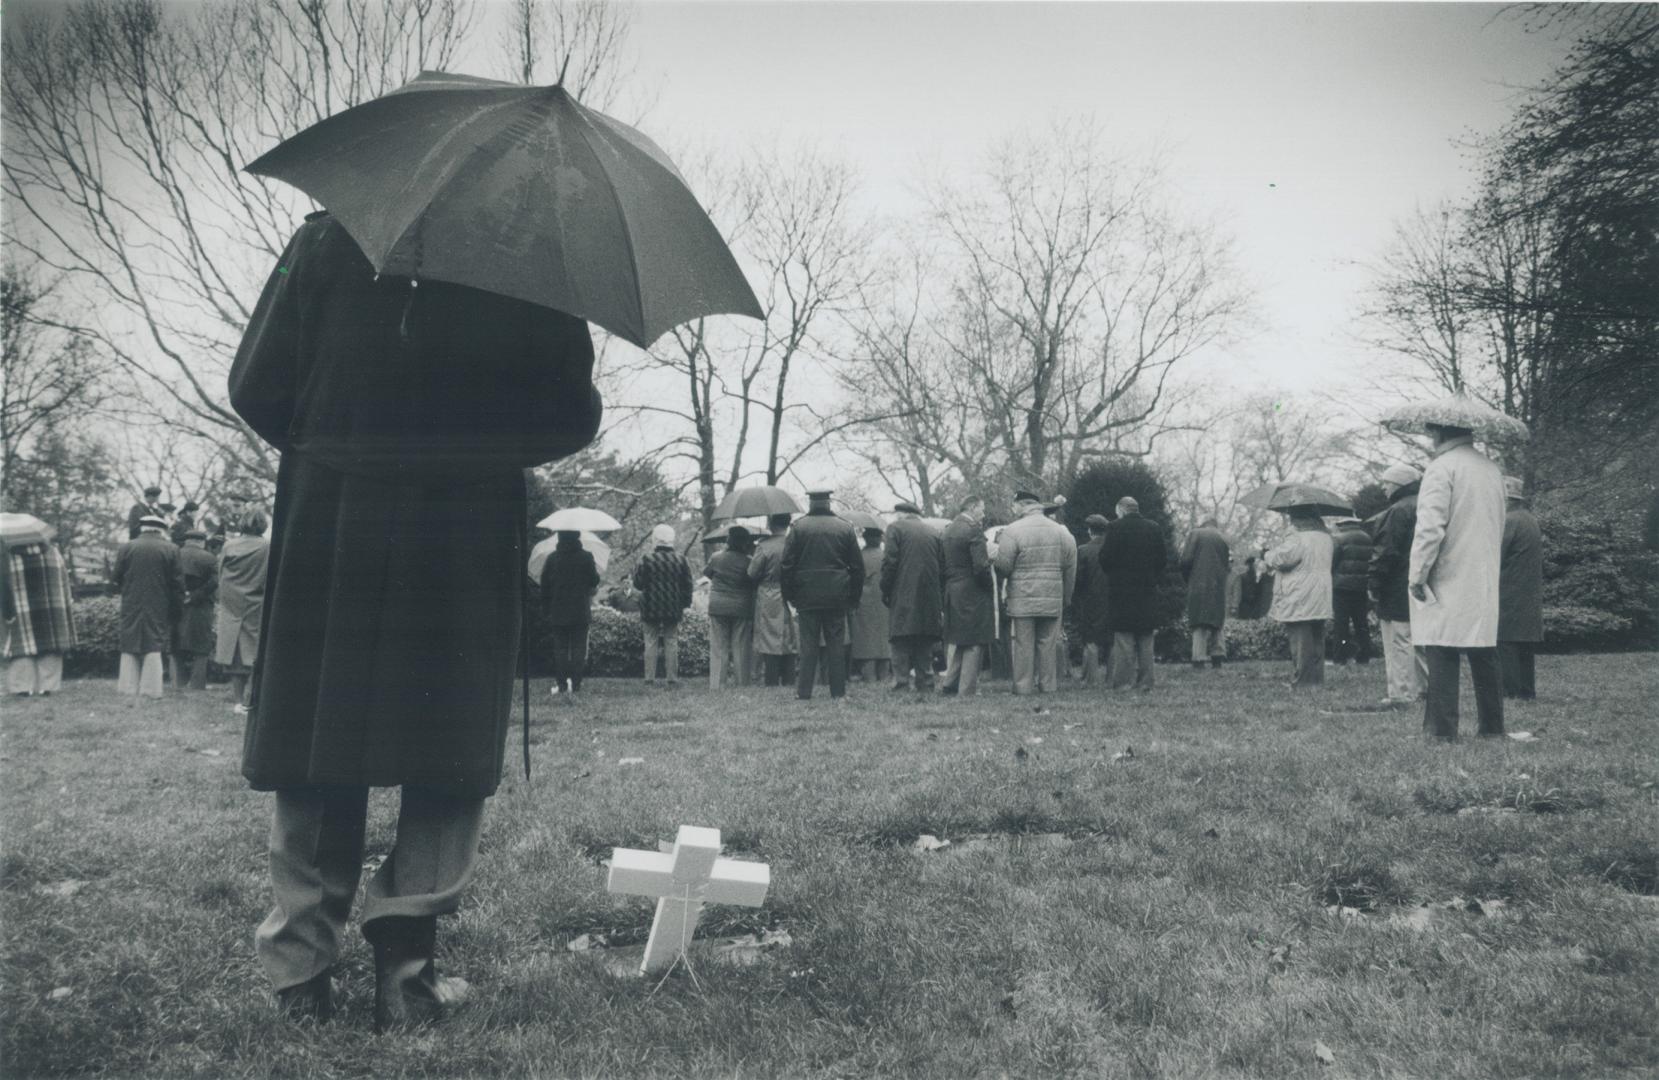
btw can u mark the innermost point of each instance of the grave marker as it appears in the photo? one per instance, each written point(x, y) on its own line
point(683, 880)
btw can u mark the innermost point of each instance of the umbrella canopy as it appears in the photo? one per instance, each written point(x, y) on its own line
point(1287, 495)
point(579, 519)
point(538, 554)
point(760, 501)
point(19, 529)
point(1458, 410)
point(860, 520)
point(518, 190)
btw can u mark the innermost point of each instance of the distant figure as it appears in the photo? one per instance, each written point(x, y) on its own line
point(148, 506)
point(1088, 602)
point(1133, 555)
point(150, 579)
point(823, 579)
point(1456, 556)
point(774, 630)
point(1039, 558)
point(193, 633)
point(40, 616)
point(731, 611)
point(1301, 564)
point(1350, 564)
point(569, 579)
point(663, 579)
point(1520, 594)
point(242, 565)
point(970, 615)
point(1386, 580)
point(913, 588)
point(185, 521)
point(1205, 561)
point(871, 651)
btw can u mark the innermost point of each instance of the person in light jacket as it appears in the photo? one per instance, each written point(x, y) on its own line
point(1520, 594)
point(242, 566)
point(1456, 557)
point(869, 649)
point(1301, 564)
point(1039, 559)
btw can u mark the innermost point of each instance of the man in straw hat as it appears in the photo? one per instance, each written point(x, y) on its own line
point(1386, 580)
point(1456, 553)
point(1520, 594)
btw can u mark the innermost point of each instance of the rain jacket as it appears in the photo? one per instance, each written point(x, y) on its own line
point(1457, 549)
point(1205, 564)
point(1039, 559)
point(1301, 564)
point(242, 566)
point(774, 626)
point(970, 606)
point(867, 626)
point(569, 578)
point(1391, 555)
point(151, 583)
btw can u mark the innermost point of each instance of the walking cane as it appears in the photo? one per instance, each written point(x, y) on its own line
point(996, 613)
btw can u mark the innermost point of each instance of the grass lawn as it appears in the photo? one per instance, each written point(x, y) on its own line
point(1177, 912)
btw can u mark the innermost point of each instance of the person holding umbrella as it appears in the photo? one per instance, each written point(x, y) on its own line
point(418, 345)
point(569, 579)
point(823, 578)
point(970, 600)
point(1301, 564)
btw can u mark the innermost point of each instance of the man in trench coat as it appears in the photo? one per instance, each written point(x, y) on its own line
point(151, 583)
point(823, 578)
point(970, 603)
point(193, 633)
point(1088, 602)
point(393, 606)
point(774, 635)
point(1456, 556)
point(1133, 555)
point(913, 588)
point(1520, 594)
point(1205, 562)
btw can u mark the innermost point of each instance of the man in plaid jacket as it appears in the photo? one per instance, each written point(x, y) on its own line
point(663, 579)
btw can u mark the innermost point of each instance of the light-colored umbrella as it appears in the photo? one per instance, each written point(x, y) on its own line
point(1289, 495)
point(579, 519)
point(861, 520)
point(19, 529)
point(538, 554)
point(761, 500)
point(521, 191)
point(1458, 410)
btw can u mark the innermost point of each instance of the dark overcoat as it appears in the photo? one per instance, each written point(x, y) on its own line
point(1205, 562)
point(569, 578)
point(1351, 559)
point(970, 615)
point(393, 603)
point(1521, 578)
point(823, 569)
point(151, 582)
point(913, 579)
point(194, 631)
point(1133, 555)
point(1390, 569)
point(1088, 598)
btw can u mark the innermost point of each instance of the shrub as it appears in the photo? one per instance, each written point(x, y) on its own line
point(1600, 589)
point(616, 643)
point(97, 650)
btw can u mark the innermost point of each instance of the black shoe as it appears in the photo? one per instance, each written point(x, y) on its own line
point(408, 990)
point(1215, 661)
point(310, 1000)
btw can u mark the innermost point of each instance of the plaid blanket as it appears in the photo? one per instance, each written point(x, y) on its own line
point(38, 588)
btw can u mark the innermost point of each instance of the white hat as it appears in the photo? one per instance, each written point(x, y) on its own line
point(1400, 475)
point(662, 535)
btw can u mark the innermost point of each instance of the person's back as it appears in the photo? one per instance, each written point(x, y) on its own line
point(663, 578)
point(568, 580)
point(1389, 571)
point(1041, 566)
point(821, 560)
point(1457, 549)
point(1350, 557)
point(1301, 563)
point(732, 594)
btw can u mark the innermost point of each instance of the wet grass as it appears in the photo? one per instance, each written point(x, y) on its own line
point(1160, 914)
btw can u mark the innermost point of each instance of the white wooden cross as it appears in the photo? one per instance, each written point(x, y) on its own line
point(683, 880)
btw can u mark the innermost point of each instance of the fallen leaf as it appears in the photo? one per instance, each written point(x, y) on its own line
point(630, 761)
point(1490, 908)
point(60, 993)
point(586, 942)
point(1279, 958)
point(1343, 912)
point(211, 753)
point(929, 842)
point(1020, 754)
point(1068, 727)
point(1035, 740)
point(66, 888)
point(1212, 834)
point(1523, 776)
point(1323, 1053)
point(933, 736)
point(1523, 736)
point(1126, 754)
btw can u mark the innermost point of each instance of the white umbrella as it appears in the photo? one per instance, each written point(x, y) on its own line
point(579, 519)
point(23, 529)
point(538, 554)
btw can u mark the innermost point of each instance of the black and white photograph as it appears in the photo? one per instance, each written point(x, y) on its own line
point(829, 539)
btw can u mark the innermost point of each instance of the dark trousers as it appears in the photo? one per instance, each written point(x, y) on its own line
point(1351, 634)
point(1440, 706)
point(570, 655)
point(912, 652)
point(832, 625)
point(776, 669)
point(1516, 660)
point(1307, 651)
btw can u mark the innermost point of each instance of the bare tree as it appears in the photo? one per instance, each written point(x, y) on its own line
point(128, 124)
point(1079, 292)
point(50, 379)
point(1418, 308)
point(581, 44)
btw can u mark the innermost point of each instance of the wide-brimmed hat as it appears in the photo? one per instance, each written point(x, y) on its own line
point(1457, 411)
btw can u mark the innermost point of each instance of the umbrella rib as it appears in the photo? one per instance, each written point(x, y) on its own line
point(586, 126)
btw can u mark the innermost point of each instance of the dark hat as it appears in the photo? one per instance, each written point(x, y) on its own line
point(1025, 496)
point(1096, 521)
point(152, 491)
point(736, 533)
point(195, 534)
point(904, 507)
point(192, 504)
point(820, 493)
point(165, 505)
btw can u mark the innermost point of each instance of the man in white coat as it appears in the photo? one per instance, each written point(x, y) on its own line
point(1455, 558)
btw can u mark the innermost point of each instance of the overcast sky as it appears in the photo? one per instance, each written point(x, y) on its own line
point(1306, 129)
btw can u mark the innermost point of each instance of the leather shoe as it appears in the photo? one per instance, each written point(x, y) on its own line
point(312, 1000)
point(408, 991)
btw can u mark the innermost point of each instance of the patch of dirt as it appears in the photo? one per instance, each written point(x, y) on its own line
point(1360, 886)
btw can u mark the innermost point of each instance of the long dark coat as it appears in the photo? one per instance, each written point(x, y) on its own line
point(970, 617)
point(1351, 559)
point(1133, 555)
point(823, 569)
point(1088, 598)
point(569, 578)
point(1521, 578)
point(1390, 569)
point(1205, 564)
point(151, 582)
point(393, 600)
point(194, 631)
point(913, 580)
